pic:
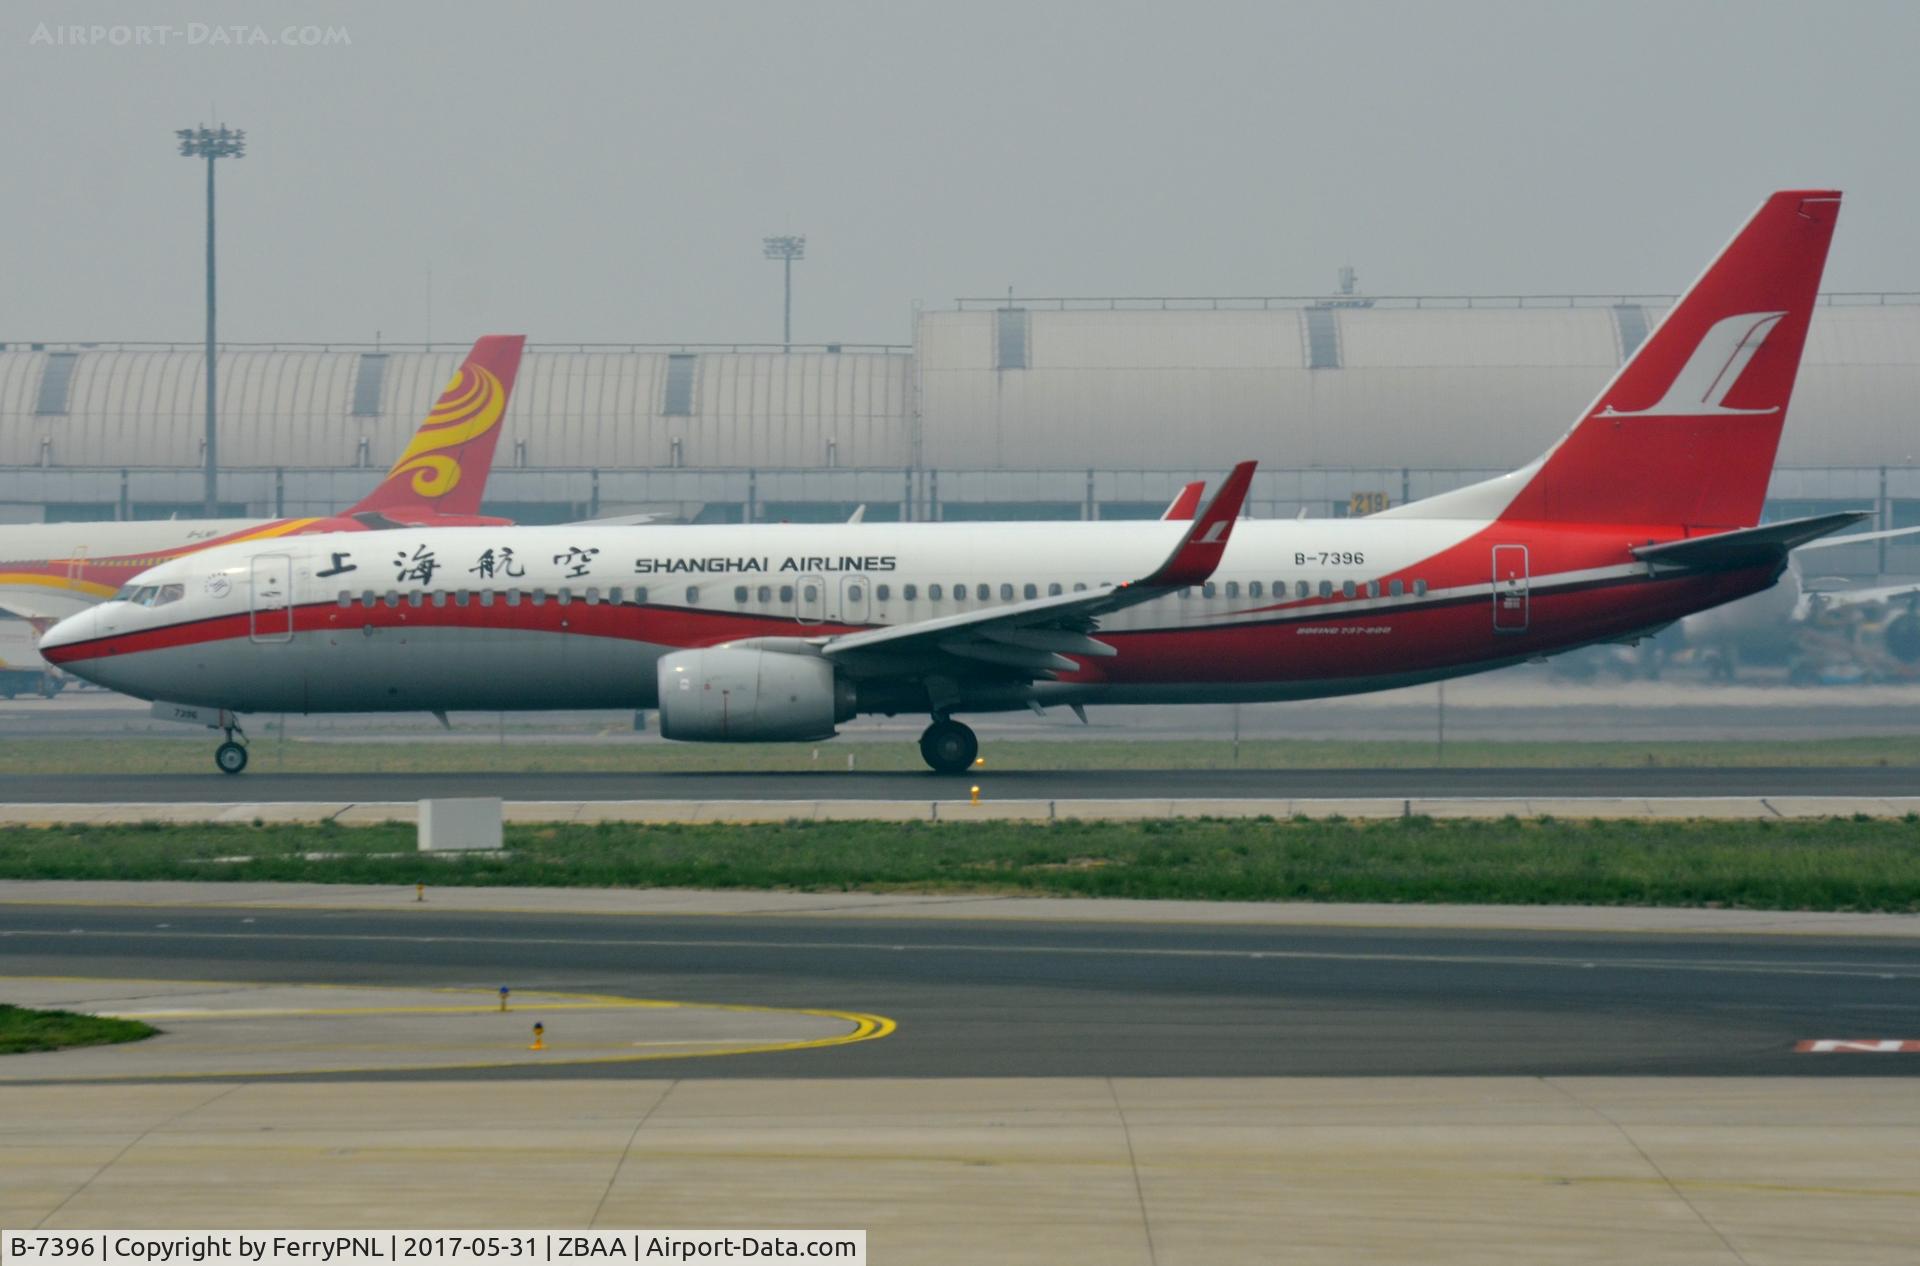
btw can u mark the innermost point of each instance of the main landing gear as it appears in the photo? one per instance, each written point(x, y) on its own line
point(231, 756)
point(948, 747)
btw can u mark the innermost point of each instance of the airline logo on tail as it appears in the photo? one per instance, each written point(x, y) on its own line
point(1700, 389)
point(472, 404)
point(444, 468)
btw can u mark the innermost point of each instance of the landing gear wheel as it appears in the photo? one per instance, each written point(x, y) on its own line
point(949, 747)
point(230, 757)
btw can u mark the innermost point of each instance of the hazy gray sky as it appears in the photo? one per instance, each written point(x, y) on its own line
point(605, 171)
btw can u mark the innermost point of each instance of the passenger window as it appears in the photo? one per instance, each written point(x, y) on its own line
point(366, 599)
point(346, 598)
point(1079, 586)
point(693, 595)
point(1253, 589)
point(985, 592)
point(566, 596)
point(639, 595)
point(539, 597)
point(765, 593)
point(1031, 591)
point(1419, 588)
point(909, 592)
point(1006, 593)
point(613, 595)
point(1396, 588)
point(1207, 589)
point(1053, 590)
point(1346, 589)
point(439, 597)
point(486, 597)
point(513, 597)
point(959, 593)
point(1187, 592)
point(1233, 589)
point(740, 594)
point(882, 592)
point(392, 599)
point(592, 596)
point(1302, 589)
point(415, 598)
point(853, 593)
point(933, 593)
point(461, 597)
point(1326, 588)
point(810, 593)
point(786, 593)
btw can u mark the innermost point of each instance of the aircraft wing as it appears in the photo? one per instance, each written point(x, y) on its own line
point(1857, 538)
point(1034, 638)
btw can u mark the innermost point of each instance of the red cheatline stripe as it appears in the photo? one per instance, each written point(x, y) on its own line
point(1859, 1046)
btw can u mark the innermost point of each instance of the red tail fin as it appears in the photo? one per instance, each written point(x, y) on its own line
point(1685, 434)
point(444, 470)
point(1185, 502)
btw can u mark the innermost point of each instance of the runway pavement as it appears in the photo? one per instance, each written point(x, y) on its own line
point(1055, 999)
point(1214, 784)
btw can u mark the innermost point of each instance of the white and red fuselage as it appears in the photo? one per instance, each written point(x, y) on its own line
point(577, 617)
point(1643, 512)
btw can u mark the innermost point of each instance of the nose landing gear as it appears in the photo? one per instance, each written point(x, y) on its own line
point(231, 756)
point(949, 747)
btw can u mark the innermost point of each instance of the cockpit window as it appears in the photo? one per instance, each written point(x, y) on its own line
point(169, 593)
point(143, 597)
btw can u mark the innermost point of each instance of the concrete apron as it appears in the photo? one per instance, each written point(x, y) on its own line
point(1647, 1170)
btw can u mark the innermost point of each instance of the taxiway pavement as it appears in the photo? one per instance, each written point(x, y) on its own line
point(1009, 784)
point(1063, 999)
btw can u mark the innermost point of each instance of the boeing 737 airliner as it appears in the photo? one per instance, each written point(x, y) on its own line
point(1643, 512)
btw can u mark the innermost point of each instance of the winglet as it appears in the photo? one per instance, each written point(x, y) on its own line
point(1186, 502)
point(1200, 550)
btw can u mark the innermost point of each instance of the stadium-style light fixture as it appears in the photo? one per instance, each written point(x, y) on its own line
point(786, 249)
point(211, 144)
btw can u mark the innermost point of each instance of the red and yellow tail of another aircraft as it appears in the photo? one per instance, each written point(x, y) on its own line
point(48, 571)
point(443, 472)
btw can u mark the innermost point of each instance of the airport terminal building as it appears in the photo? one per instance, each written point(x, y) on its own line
point(995, 409)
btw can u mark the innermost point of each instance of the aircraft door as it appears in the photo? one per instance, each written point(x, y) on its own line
point(270, 618)
point(854, 599)
point(810, 599)
point(1511, 598)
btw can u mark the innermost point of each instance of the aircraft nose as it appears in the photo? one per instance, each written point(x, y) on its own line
point(79, 627)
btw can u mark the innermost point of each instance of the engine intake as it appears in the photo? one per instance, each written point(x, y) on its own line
point(734, 695)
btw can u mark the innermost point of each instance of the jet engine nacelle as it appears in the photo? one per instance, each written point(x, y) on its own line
point(735, 695)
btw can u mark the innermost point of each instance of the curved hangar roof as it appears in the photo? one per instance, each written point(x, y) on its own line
point(1023, 388)
point(1356, 386)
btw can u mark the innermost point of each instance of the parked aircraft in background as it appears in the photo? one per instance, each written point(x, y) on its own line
point(1643, 513)
point(50, 570)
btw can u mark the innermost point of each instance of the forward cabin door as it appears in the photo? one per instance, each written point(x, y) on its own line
point(271, 616)
point(1510, 596)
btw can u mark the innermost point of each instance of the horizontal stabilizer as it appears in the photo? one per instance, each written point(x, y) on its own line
point(1747, 547)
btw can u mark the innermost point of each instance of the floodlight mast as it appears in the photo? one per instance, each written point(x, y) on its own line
point(211, 144)
point(786, 250)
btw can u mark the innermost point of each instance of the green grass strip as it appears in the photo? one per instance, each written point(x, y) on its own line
point(1831, 864)
point(23, 1030)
